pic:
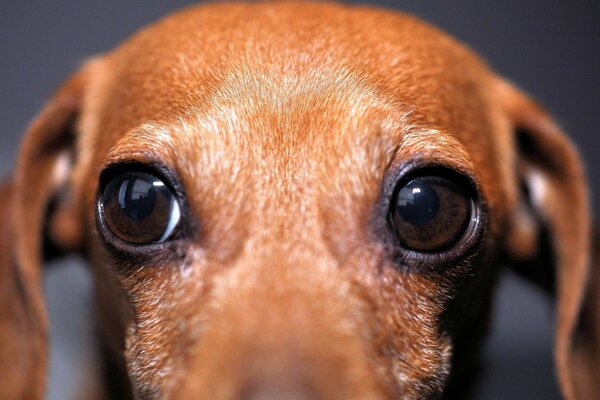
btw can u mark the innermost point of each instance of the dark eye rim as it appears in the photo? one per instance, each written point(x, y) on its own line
point(473, 234)
point(170, 179)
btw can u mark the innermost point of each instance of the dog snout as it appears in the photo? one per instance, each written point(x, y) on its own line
point(289, 383)
point(276, 391)
point(260, 342)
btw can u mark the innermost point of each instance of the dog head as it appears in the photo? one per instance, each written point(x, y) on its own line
point(298, 201)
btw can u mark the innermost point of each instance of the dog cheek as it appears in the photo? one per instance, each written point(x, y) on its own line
point(155, 339)
point(406, 310)
point(421, 358)
point(161, 323)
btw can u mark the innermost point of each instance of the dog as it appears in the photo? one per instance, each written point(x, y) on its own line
point(294, 201)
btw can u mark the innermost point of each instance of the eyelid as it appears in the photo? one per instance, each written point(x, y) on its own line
point(166, 173)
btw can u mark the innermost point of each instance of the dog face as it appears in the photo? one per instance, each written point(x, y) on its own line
point(300, 201)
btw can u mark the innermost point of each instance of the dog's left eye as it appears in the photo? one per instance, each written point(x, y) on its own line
point(430, 213)
point(139, 208)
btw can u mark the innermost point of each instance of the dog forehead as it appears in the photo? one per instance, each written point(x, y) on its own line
point(279, 55)
point(298, 81)
point(181, 61)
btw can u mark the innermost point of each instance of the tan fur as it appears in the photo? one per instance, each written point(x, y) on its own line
point(282, 121)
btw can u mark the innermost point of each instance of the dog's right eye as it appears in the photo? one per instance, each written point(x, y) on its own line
point(139, 208)
point(431, 213)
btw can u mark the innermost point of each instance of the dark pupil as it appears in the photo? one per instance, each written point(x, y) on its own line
point(417, 203)
point(137, 198)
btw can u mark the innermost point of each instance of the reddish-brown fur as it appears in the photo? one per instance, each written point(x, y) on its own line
point(282, 121)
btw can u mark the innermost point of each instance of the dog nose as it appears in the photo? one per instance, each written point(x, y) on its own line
point(279, 392)
point(282, 375)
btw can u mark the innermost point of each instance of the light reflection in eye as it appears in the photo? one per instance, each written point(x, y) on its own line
point(174, 217)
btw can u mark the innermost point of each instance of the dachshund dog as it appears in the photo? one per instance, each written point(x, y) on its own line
point(294, 201)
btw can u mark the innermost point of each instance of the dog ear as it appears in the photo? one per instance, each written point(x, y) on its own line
point(587, 356)
point(549, 231)
point(33, 225)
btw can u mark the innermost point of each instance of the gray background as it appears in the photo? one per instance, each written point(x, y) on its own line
point(549, 48)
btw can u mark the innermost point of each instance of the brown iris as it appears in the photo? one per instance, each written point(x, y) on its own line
point(139, 208)
point(430, 214)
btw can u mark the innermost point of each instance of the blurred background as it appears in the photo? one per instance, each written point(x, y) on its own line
point(550, 49)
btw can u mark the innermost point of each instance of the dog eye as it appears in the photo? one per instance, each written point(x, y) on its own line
point(139, 208)
point(430, 213)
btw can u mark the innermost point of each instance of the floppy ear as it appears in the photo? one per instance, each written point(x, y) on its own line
point(587, 354)
point(549, 231)
point(33, 222)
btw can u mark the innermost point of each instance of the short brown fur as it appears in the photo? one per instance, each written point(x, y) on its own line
point(283, 121)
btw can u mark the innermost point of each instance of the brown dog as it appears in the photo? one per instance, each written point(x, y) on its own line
point(293, 201)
